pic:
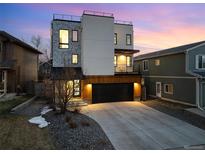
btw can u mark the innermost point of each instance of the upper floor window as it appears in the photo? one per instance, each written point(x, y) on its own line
point(75, 36)
point(74, 58)
point(157, 62)
point(115, 60)
point(63, 38)
point(145, 65)
point(168, 88)
point(115, 38)
point(200, 61)
point(128, 61)
point(128, 39)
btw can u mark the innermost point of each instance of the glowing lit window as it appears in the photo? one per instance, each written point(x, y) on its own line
point(157, 62)
point(75, 36)
point(115, 60)
point(63, 38)
point(128, 61)
point(76, 88)
point(74, 59)
point(115, 38)
point(128, 39)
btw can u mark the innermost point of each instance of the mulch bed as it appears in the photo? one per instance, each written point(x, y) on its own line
point(177, 111)
point(85, 133)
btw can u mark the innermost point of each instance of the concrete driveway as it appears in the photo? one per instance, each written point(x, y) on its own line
point(132, 125)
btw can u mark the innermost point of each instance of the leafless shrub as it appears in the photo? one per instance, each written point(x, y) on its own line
point(85, 123)
point(68, 118)
point(72, 124)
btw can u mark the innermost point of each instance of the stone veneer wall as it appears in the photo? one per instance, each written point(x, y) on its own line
point(63, 56)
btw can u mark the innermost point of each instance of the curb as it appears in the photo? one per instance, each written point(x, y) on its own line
point(24, 104)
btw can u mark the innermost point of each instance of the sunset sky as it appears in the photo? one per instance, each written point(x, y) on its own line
point(156, 26)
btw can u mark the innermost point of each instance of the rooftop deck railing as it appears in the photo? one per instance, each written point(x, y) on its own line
point(66, 17)
point(123, 22)
point(97, 13)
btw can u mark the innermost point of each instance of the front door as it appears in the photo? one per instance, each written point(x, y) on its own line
point(158, 89)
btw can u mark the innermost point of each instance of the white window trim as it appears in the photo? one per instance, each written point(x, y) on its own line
point(197, 62)
point(143, 62)
point(165, 89)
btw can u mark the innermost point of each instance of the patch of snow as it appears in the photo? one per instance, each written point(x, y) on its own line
point(45, 110)
point(40, 121)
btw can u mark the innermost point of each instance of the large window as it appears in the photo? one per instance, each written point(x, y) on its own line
point(75, 36)
point(168, 88)
point(115, 38)
point(76, 88)
point(128, 61)
point(115, 60)
point(145, 65)
point(74, 58)
point(200, 61)
point(128, 39)
point(63, 38)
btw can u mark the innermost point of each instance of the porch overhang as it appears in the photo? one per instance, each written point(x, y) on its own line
point(126, 51)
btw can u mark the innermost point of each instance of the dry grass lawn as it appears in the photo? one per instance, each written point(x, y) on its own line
point(17, 133)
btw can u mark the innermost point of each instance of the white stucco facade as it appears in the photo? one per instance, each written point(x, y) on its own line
point(122, 30)
point(97, 48)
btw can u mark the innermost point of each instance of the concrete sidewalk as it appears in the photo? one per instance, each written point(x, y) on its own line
point(132, 125)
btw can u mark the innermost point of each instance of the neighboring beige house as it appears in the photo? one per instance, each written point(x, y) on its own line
point(18, 63)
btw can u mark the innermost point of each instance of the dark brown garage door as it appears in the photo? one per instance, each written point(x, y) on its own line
point(112, 92)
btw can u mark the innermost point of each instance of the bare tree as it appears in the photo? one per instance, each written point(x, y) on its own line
point(64, 88)
point(36, 41)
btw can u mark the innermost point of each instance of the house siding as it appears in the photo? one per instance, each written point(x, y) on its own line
point(184, 90)
point(62, 57)
point(172, 70)
point(192, 57)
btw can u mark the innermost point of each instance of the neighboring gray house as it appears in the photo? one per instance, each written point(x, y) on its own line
point(176, 74)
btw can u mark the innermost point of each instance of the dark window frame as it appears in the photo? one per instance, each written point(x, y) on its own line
point(72, 58)
point(63, 43)
point(72, 35)
point(130, 39)
point(144, 64)
point(115, 40)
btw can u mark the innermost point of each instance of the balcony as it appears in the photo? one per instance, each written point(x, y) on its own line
point(7, 64)
point(124, 69)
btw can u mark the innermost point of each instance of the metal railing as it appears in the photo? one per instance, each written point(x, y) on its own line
point(123, 22)
point(123, 68)
point(97, 13)
point(66, 17)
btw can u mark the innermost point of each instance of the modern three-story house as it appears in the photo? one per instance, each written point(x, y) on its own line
point(176, 74)
point(100, 50)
